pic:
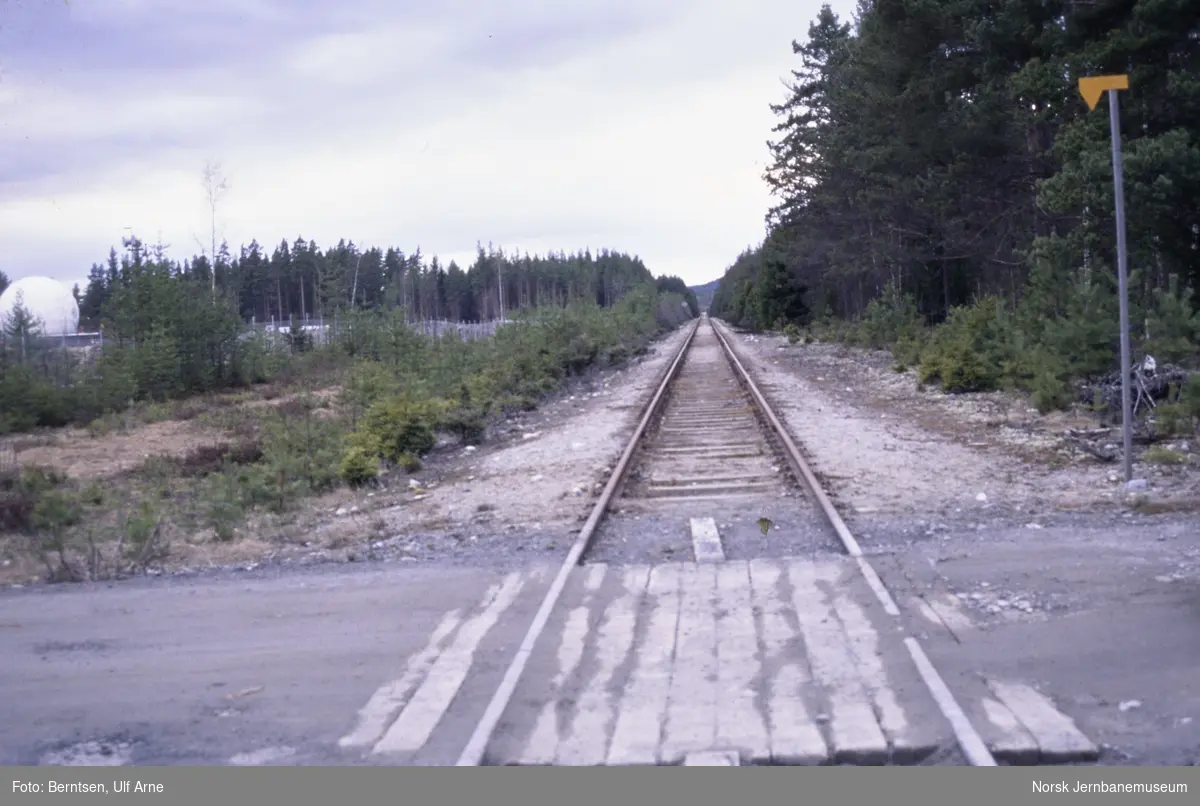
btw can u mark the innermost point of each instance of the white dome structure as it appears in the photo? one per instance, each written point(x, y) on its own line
point(50, 302)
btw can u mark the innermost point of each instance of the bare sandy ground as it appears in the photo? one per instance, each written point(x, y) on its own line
point(885, 446)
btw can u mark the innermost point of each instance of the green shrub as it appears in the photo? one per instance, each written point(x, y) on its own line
point(1170, 419)
point(465, 419)
point(1158, 455)
point(358, 467)
point(1181, 413)
point(399, 425)
point(889, 319)
point(1045, 376)
point(907, 350)
point(1173, 324)
point(969, 351)
point(1189, 397)
point(141, 524)
point(366, 383)
point(301, 456)
point(22, 490)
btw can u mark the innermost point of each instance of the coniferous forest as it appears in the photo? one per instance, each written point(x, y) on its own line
point(300, 280)
point(942, 189)
point(348, 389)
point(171, 329)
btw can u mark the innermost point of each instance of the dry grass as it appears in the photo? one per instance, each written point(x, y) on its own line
point(154, 454)
point(79, 455)
point(1163, 507)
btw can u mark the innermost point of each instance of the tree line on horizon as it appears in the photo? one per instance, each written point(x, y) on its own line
point(171, 331)
point(300, 280)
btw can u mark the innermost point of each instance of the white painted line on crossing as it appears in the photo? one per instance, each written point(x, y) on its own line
point(864, 643)
point(944, 614)
point(706, 541)
point(877, 587)
point(740, 724)
point(377, 714)
point(543, 743)
point(855, 733)
point(968, 739)
point(712, 758)
point(643, 705)
point(1057, 736)
point(587, 743)
point(593, 578)
point(1010, 741)
point(416, 722)
point(691, 705)
point(795, 738)
point(262, 757)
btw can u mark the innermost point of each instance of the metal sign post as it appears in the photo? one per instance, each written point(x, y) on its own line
point(1090, 89)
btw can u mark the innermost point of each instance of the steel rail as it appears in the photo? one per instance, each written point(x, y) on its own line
point(969, 741)
point(475, 751)
point(476, 748)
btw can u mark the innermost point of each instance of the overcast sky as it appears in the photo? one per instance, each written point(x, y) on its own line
point(636, 125)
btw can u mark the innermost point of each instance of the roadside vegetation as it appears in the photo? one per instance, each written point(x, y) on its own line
point(228, 422)
point(943, 192)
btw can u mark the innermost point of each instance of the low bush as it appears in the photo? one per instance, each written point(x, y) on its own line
point(970, 351)
point(358, 467)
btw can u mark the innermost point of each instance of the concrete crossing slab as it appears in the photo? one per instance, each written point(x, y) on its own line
point(706, 541)
point(1020, 725)
point(773, 661)
point(1058, 739)
point(638, 728)
point(758, 662)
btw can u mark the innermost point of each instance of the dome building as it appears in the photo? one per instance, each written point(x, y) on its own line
point(51, 303)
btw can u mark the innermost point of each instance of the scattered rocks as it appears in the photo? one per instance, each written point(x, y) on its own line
point(999, 602)
point(91, 754)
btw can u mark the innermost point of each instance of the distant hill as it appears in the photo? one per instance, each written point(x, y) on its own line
point(704, 293)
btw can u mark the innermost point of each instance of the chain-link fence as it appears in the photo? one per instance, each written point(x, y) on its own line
point(319, 329)
point(324, 330)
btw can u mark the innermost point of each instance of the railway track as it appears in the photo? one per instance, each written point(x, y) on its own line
point(708, 443)
point(714, 609)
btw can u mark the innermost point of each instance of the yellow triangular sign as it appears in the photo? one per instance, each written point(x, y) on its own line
point(1093, 87)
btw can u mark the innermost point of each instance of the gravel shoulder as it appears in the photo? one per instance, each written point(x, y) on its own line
point(886, 447)
point(520, 495)
point(1013, 555)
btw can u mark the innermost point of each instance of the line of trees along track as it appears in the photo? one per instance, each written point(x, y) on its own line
point(169, 334)
point(933, 161)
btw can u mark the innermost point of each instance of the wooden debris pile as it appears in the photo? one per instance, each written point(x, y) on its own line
point(1151, 384)
point(1102, 443)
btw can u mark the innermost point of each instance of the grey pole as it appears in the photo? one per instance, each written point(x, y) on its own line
point(1114, 118)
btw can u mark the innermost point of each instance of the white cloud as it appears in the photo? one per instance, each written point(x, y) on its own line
point(651, 142)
